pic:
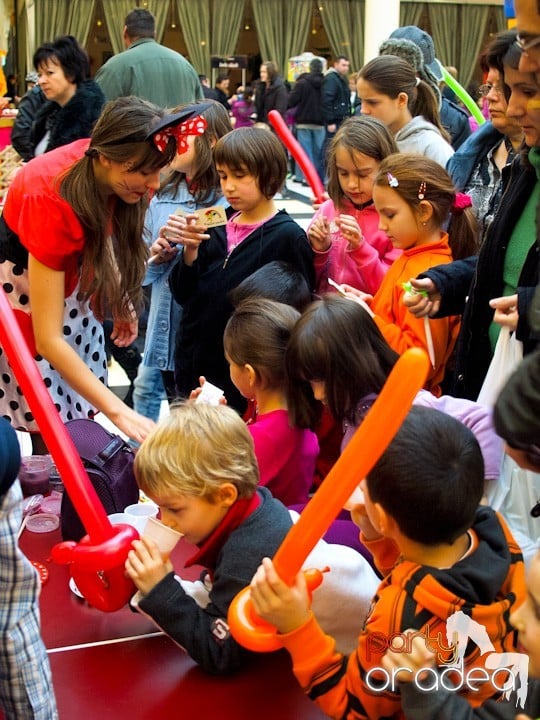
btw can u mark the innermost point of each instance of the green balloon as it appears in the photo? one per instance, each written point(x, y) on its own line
point(463, 95)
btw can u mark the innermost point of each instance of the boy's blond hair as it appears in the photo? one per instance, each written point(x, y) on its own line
point(195, 449)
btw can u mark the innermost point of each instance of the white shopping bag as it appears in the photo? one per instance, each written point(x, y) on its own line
point(507, 356)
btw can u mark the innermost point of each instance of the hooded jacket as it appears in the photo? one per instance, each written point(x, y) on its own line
point(306, 98)
point(365, 266)
point(487, 583)
point(422, 137)
point(400, 328)
point(72, 121)
point(202, 289)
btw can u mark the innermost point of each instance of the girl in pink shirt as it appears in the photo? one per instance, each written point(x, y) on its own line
point(344, 233)
point(255, 340)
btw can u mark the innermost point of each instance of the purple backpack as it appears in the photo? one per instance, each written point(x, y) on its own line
point(108, 460)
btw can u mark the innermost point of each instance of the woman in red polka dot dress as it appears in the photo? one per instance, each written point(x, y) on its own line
point(71, 251)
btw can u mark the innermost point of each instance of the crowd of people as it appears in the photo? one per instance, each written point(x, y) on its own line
point(146, 177)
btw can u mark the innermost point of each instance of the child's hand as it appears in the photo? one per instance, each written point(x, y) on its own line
point(424, 298)
point(287, 608)
point(319, 235)
point(357, 296)
point(146, 566)
point(162, 251)
point(420, 658)
point(194, 394)
point(186, 231)
point(350, 229)
point(361, 519)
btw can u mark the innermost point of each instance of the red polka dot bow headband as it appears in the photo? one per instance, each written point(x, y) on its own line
point(188, 121)
point(195, 126)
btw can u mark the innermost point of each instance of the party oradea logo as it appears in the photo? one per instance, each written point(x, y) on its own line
point(506, 671)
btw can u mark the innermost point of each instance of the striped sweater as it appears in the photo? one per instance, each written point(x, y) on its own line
point(485, 585)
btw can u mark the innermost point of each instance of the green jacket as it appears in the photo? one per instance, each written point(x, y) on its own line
point(150, 71)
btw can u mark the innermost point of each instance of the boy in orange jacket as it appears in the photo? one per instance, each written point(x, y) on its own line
point(448, 564)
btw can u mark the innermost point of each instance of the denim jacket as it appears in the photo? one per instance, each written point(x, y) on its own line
point(165, 314)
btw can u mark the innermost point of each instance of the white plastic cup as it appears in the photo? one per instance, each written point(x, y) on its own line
point(138, 514)
point(119, 518)
point(164, 537)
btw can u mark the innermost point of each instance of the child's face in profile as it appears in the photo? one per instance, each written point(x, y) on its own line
point(356, 173)
point(396, 217)
point(388, 110)
point(241, 190)
point(193, 516)
point(526, 619)
point(186, 162)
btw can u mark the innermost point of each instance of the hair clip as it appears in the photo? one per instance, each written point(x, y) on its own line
point(392, 181)
point(422, 191)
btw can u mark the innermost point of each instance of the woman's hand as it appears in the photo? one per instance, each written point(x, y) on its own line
point(145, 565)
point(319, 235)
point(506, 311)
point(350, 229)
point(124, 332)
point(135, 426)
point(287, 608)
point(420, 304)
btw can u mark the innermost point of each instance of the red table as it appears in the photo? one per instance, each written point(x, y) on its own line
point(115, 666)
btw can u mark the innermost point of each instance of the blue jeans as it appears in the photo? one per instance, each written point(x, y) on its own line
point(148, 392)
point(312, 142)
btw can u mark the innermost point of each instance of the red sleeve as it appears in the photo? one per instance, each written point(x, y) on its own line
point(50, 231)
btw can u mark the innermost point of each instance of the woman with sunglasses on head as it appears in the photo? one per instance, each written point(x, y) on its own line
point(477, 167)
point(71, 249)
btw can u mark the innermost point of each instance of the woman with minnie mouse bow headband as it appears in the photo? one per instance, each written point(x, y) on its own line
point(71, 250)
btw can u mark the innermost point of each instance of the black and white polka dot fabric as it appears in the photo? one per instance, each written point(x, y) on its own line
point(81, 330)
